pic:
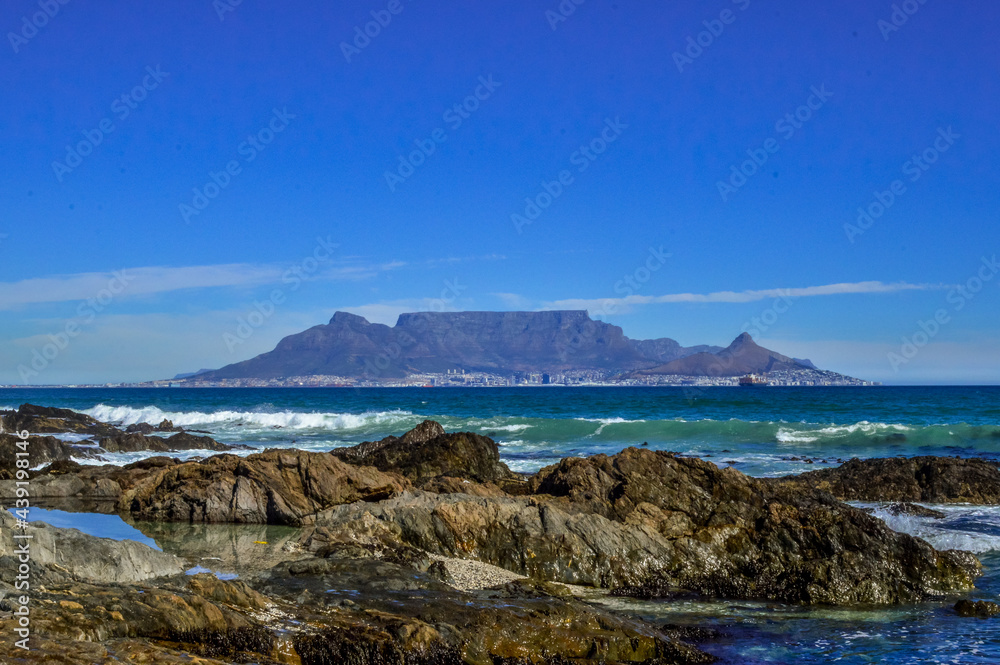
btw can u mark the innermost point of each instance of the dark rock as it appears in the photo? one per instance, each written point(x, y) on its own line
point(136, 442)
point(167, 426)
point(140, 428)
point(907, 479)
point(426, 452)
point(648, 523)
point(274, 487)
point(692, 634)
point(904, 508)
point(50, 420)
point(980, 608)
point(41, 450)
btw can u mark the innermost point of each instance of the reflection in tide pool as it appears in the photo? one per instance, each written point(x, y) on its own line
point(93, 524)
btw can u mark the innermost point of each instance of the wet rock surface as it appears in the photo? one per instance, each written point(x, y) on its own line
point(978, 608)
point(912, 479)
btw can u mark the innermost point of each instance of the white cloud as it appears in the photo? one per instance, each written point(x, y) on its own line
point(513, 300)
point(742, 296)
point(148, 280)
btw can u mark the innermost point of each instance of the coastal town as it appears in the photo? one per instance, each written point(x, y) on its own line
point(467, 379)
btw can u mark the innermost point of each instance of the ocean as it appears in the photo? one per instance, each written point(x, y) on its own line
point(766, 431)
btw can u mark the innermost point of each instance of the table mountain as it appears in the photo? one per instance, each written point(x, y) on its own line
point(500, 342)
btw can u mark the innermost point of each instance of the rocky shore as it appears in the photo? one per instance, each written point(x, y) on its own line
point(426, 549)
point(61, 434)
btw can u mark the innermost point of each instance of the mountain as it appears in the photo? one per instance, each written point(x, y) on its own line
point(743, 356)
point(188, 375)
point(499, 342)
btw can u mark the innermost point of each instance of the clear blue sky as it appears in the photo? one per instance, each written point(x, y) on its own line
point(309, 130)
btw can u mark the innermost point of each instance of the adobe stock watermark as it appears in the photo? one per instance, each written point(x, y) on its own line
point(958, 298)
point(121, 108)
point(453, 117)
point(223, 7)
point(394, 350)
point(785, 128)
point(86, 312)
point(581, 158)
point(363, 35)
point(22, 553)
point(758, 325)
point(31, 24)
point(696, 44)
point(262, 310)
point(914, 168)
point(899, 17)
point(249, 150)
point(562, 12)
point(630, 284)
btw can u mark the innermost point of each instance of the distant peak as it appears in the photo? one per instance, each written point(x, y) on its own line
point(345, 318)
point(742, 340)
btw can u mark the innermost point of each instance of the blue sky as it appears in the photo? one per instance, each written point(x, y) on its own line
point(167, 166)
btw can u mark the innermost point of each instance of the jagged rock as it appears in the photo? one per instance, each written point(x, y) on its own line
point(140, 428)
point(41, 450)
point(905, 508)
point(139, 442)
point(68, 479)
point(274, 487)
point(166, 426)
point(50, 420)
point(652, 524)
point(980, 608)
point(427, 452)
point(913, 479)
point(387, 618)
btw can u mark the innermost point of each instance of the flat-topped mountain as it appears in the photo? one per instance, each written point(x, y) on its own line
point(499, 342)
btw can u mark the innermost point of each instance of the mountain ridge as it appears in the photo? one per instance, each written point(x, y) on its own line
point(504, 343)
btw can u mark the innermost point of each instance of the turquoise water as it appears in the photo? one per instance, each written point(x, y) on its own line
point(763, 432)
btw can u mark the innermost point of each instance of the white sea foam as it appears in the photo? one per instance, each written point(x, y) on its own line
point(67, 437)
point(950, 532)
point(789, 435)
point(127, 415)
point(507, 428)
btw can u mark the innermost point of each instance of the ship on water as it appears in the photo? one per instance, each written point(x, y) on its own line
point(753, 380)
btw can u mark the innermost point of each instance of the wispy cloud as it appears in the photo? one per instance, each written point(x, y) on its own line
point(148, 280)
point(744, 296)
point(513, 300)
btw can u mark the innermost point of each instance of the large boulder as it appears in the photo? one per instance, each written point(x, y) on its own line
point(273, 487)
point(910, 479)
point(427, 452)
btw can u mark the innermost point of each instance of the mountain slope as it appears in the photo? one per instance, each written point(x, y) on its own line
point(743, 356)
